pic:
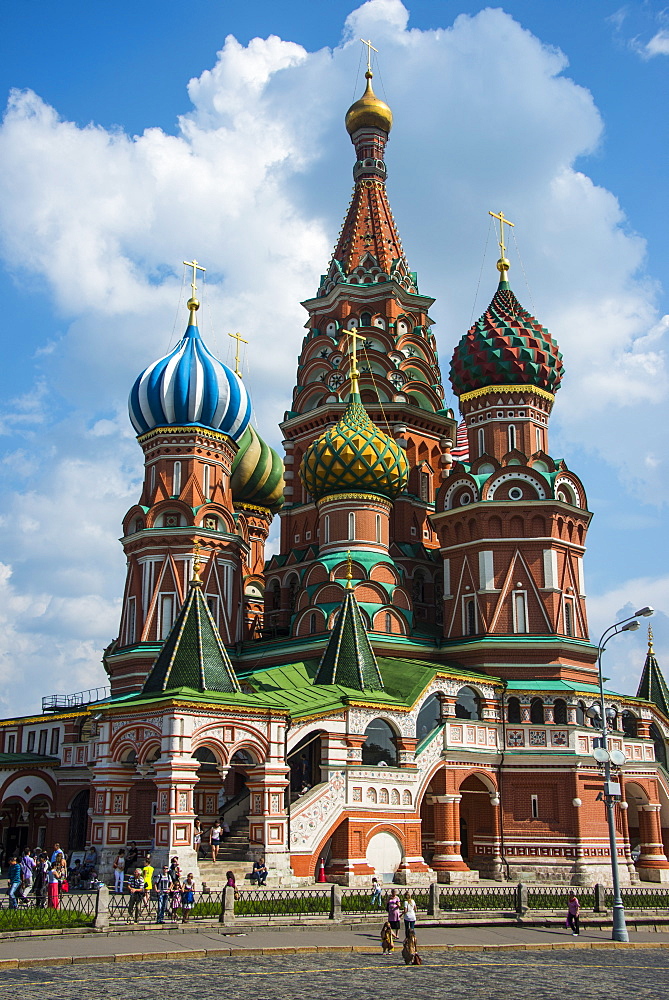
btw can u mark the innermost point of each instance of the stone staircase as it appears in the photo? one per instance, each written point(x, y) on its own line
point(233, 856)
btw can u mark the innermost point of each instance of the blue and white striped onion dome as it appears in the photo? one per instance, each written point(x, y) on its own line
point(190, 386)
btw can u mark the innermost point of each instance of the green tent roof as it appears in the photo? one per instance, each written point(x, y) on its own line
point(348, 658)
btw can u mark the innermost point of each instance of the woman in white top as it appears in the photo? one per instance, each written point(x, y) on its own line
point(409, 912)
point(215, 839)
point(119, 871)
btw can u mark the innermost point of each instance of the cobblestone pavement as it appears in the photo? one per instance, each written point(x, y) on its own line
point(617, 975)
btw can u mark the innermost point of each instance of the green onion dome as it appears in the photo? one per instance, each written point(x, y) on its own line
point(257, 473)
point(506, 346)
point(354, 456)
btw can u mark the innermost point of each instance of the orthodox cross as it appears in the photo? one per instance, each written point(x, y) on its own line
point(197, 565)
point(196, 267)
point(354, 373)
point(349, 571)
point(240, 340)
point(370, 49)
point(503, 221)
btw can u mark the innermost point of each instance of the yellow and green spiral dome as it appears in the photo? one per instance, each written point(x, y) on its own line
point(257, 473)
point(354, 456)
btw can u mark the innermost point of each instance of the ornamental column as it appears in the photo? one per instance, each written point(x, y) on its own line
point(110, 813)
point(653, 864)
point(447, 861)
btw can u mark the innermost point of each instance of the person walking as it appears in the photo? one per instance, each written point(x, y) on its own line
point(14, 880)
point(409, 912)
point(119, 871)
point(376, 899)
point(27, 871)
point(573, 911)
point(175, 898)
point(197, 837)
point(131, 857)
point(162, 885)
point(147, 875)
point(393, 907)
point(215, 835)
point(136, 886)
point(187, 898)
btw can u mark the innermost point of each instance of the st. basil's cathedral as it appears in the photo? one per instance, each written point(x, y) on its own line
point(404, 688)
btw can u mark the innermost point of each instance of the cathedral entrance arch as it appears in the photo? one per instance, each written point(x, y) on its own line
point(479, 836)
point(384, 854)
point(78, 821)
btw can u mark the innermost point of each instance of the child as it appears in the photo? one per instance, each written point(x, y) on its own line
point(175, 899)
point(410, 950)
point(376, 894)
point(387, 939)
point(187, 898)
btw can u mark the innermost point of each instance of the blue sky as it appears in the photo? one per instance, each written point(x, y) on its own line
point(136, 136)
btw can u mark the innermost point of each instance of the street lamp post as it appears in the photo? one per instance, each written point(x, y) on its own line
point(612, 790)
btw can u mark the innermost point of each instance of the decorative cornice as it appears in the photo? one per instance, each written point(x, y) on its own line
point(191, 429)
point(373, 497)
point(484, 390)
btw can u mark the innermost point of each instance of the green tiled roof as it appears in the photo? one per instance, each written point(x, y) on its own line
point(27, 760)
point(193, 655)
point(652, 686)
point(348, 658)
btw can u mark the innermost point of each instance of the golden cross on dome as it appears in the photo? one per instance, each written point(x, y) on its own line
point(196, 267)
point(370, 49)
point(354, 373)
point(349, 571)
point(650, 639)
point(503, 221)
point(240, 340)
point(197, 565)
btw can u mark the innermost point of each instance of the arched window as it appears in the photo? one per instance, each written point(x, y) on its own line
point(292, 592)
point(425, 487)
point(379, 747)
point(429, 716)
point(512, 437)
point(366, 319)
point(275, 591)
point(326, 529)
point(389, 622)
point(513, 710)
point(378, 528)
point(560, 712)
point(312, 623)
point(537, 711)
point(153, 478)
point(580, 713)
point(176, 479)
point(351, 526)
point(630, 727)
point(481, 437)
point(469, 616)
point(660, 746)
point(468, 704)
point(206, 480)
point(419, 586)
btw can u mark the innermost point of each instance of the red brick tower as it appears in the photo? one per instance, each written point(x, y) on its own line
point(512, 520)
point(369, 286)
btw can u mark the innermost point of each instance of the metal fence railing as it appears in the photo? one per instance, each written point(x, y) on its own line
point(642, 898)
point(282, 902)
point(554, 897)
point(474, 897)
point(123, 909)
point(361, 900)
point(75, 909)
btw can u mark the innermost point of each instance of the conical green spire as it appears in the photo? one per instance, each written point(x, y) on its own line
point(193, 655)
point(348, 658)
point(652, 686)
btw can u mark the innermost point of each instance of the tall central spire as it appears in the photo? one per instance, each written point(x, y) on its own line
point(369, 247)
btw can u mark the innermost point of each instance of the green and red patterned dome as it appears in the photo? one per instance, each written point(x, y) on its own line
point(506, 346)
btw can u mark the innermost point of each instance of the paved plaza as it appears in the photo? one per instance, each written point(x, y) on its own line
point(616, 974)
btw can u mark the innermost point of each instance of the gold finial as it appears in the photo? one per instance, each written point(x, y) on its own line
point(193, 303)
point(197, 565)
point(370, 49)
point(349, 571)
point(354, 373)
point(650, 640)
point(503, 264)
point(240, 340)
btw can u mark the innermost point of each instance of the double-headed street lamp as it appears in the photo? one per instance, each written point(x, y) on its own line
point(602, 718)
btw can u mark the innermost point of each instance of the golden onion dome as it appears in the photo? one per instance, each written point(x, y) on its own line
point(369, 111)
point(354, 456)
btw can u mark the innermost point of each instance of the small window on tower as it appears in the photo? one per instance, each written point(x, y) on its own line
point(425, 487)
point(206, 481)
point(481, 436)
point(171, 520)
point(351, 526)
point(389, 622)
point(519, 611)
point(326, 529)
point(512, 437)
point(469, 616)
point(176, 479)
point(139, 524)
point(568, 616)
point(31, 742)
point(211, 523)
point(537, 432)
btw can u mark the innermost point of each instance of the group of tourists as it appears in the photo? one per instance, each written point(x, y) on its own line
point(39, 878)
point(175, 894)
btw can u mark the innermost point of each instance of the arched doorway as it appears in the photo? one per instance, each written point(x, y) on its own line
point(76, 840)
point(384, 854)
point(304, 761)
point(478, 834)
